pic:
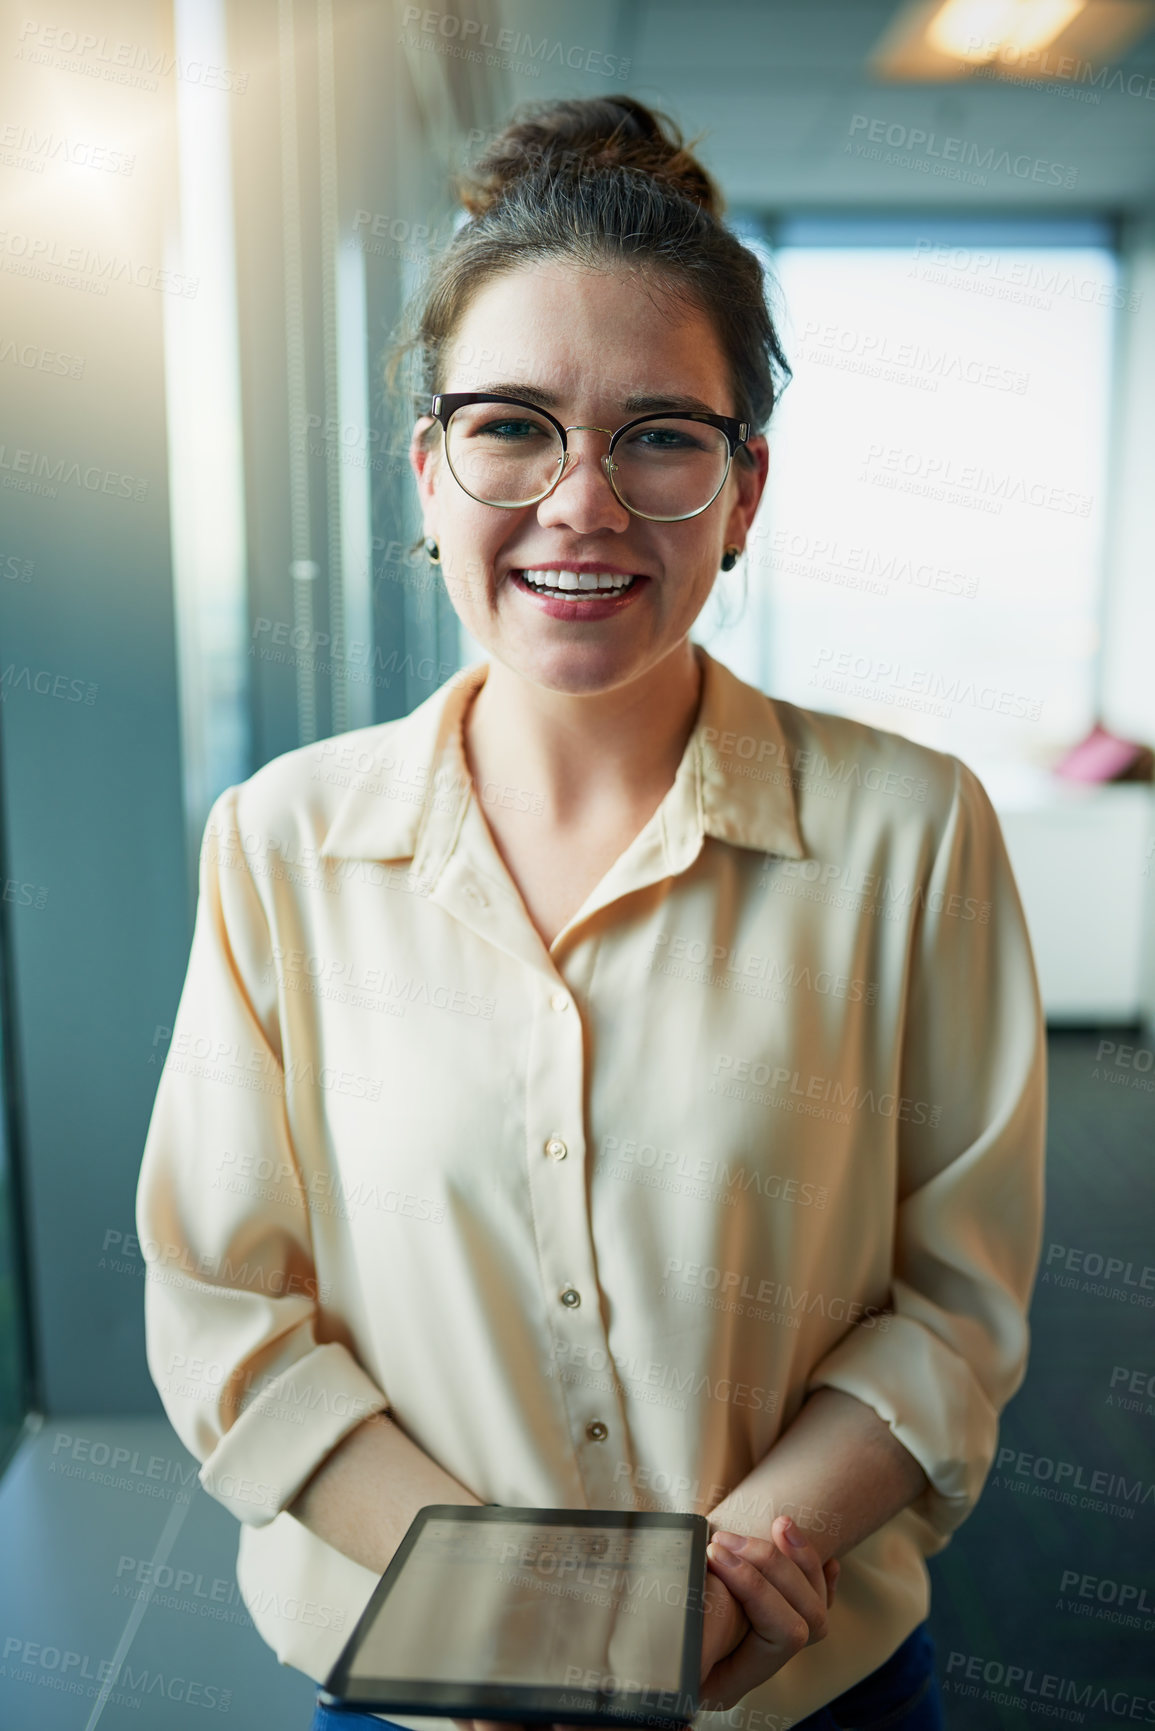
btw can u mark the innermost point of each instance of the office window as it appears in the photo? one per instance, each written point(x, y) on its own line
point(928, 555)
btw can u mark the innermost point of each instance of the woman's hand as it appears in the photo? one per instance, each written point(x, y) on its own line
point(775, 1597)
point(761, 1608)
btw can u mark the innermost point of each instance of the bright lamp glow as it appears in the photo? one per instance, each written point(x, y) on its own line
point(978, 30)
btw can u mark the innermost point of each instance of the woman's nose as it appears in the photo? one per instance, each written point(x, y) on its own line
point(583, 497)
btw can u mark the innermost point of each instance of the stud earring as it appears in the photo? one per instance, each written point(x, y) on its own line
point(730, 558)
point(433, 550)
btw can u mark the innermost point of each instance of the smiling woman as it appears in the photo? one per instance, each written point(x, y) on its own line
point(847, 1091)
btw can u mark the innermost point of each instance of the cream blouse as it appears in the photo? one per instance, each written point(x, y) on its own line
point(590, 1221)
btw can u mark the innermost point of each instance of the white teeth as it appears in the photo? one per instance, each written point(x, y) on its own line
point(574, 580)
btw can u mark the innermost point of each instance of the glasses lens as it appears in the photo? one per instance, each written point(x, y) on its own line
point(670, 468)
point(502, 453)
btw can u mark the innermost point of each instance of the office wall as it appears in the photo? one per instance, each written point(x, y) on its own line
point(88, 723)
point(111, 719)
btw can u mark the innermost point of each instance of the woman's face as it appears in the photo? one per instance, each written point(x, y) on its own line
point(590, 340)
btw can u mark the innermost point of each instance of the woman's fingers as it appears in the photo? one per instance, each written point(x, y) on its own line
point(781, 1586)
point(793, 1543)
point(831, 1571)
point(777, 1629)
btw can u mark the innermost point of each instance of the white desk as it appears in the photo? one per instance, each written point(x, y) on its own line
point(1084, 861)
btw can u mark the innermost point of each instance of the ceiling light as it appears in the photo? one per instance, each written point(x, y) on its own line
point(929, 41)
point(980, 30)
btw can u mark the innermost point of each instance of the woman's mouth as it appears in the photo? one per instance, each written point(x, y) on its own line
point(577, 596)
point(578, 585)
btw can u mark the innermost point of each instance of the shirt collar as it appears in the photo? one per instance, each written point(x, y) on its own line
point(734, 781)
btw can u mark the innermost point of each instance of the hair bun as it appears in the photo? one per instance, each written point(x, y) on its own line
point(580, 136)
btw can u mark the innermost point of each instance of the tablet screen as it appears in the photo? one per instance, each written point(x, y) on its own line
point(531, 1605)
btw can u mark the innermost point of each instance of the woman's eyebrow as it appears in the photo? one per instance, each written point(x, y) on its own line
point(527, 393)
point(644, 405)
point(638, 402)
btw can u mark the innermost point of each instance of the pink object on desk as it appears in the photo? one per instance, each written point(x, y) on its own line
point(1102, 756)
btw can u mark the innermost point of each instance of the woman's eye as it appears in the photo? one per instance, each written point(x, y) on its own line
point(508, 429)
point(664, 439)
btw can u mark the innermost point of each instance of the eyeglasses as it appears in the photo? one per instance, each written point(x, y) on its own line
point(662, 467)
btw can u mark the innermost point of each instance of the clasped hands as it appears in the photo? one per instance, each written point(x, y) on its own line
point(765, 1599)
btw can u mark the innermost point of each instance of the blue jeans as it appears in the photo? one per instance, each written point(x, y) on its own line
point(902, 1695)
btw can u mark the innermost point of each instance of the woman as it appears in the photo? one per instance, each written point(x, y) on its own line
point(637, 1084)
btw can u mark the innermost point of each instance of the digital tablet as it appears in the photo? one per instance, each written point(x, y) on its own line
point(588, 1616)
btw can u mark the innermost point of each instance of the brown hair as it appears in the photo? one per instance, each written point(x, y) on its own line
point(597, 180)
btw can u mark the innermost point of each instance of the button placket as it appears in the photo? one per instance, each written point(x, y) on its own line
point(578, 1338)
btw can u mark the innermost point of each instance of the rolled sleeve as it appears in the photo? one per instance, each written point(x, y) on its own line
point(971, 1139)
point(234, 1325)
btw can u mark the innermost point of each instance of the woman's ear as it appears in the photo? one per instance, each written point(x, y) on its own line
point(750, 483)
point(422, 458)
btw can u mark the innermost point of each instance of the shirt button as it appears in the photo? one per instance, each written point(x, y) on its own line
point(570, 1297)
point(475, 895)
point(559, 1001)
point(596, 1430)
point(556, 1148)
